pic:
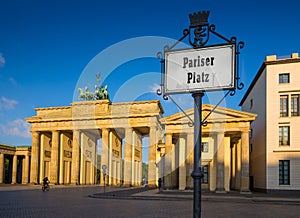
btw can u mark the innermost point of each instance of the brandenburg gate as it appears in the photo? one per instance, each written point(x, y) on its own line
point(66, 140)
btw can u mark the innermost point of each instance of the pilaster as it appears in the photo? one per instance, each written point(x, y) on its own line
point(245, 183)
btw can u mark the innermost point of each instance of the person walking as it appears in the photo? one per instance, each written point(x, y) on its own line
point(159, 183)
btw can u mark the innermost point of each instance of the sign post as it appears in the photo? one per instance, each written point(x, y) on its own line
point(197, 173)
point(198, 70)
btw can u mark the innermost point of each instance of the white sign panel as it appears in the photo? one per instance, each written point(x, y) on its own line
point(203, 69)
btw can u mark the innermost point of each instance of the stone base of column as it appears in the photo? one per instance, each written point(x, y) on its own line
point(221, 191)
point(245, 192)
point(74, 183)
point(33, 183)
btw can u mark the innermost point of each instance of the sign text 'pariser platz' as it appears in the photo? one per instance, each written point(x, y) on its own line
point(209, 68)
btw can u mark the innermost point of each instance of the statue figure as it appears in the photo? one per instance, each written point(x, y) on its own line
point(81, 94)
point(88, 95)
point(99, 94)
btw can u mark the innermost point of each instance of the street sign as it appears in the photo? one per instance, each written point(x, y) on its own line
point(209, 68)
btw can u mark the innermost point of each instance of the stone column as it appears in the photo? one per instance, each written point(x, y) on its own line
point(189, 159)
point(41, 160)
point(133, 172)
point(95, 161)
point(104, 154)
point(25, 173)
point(141, 160)
point(213, 166)
point(61, 160)
point(35, 150)
point(54, 158)
point(238, 165)
point(182, 165)
point(168, 161)
point(14, 169)
point(110, 170)
point(227, 164)
point(75, 157)
point(152, 179)
point(1, 167)
point(220, 162)
point(128, 157)
point(245, 183)
point(233, 166)
point(82, 162)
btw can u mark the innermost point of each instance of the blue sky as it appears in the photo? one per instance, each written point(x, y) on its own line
point(50, 48)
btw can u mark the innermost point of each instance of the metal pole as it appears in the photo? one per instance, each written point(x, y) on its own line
point(104, 181)
point(197, 173)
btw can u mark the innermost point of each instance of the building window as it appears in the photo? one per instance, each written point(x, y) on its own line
point(284, 110)
point(284, 78)
point(205, 174)
point(284, 135)
point(205, 147)
point(295, 105)
point(284, 172)
point(251, 103)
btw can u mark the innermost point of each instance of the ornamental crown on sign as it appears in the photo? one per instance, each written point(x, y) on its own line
point(199, 18)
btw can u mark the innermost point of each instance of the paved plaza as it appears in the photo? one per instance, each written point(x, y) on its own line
point(91, 201)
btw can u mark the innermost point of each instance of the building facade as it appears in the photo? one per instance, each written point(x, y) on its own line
point(67, 139)
point(275, 141)
point(14, 164)
point(225, 150)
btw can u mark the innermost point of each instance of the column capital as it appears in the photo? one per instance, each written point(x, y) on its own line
point(245, 131)
point(153, 127)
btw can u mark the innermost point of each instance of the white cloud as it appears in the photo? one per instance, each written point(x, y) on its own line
point(17, 127)
point(13, 81)
point(2, 60)
point(7, 104)
point(185, 101)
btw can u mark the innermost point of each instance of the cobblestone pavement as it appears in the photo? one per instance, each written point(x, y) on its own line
point(91, 201)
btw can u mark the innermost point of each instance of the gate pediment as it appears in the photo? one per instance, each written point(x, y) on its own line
point(219, 115)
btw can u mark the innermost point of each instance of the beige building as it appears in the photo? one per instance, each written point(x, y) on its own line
point(275, 139)
point(65, 141)
point(225, 150)
point(14, 164)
